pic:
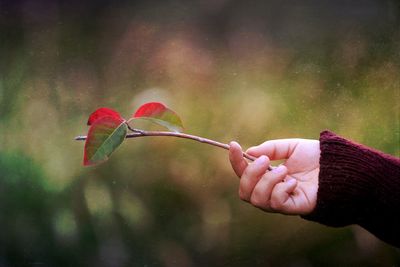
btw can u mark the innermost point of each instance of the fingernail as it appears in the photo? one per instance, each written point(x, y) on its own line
point(279, 169)
point(234, 143)
point(291, 181)
point(261, 160)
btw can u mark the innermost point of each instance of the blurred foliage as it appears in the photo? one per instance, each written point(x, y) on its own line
point(233, 70)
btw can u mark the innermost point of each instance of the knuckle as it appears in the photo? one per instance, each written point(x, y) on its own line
point(258, 198)
point(251, 169)
point(242, 195)
point(275, 204)
point(256, 201)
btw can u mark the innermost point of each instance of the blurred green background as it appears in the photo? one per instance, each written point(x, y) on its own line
point(234, 70)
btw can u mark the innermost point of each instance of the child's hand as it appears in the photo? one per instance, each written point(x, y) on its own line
point(290, 188)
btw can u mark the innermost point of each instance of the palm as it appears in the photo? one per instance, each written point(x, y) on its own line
point(303, 165)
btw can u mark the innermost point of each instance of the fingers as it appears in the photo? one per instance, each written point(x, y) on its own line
point(263, 190)
point(238, 163)
point(251, 175)
point(261, 194)
point(280, 197)
point(275, 149)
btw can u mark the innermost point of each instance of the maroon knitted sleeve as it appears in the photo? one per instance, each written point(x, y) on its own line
point(358, 185)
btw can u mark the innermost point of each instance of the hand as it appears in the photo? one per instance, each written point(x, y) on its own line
point(290, 188)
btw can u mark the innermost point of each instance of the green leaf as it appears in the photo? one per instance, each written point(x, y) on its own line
point(159, 114)
point(104, 136)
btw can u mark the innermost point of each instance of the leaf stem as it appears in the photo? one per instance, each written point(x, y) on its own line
point(142, 133)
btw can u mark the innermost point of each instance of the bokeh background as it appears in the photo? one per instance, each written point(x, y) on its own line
point(234, 70)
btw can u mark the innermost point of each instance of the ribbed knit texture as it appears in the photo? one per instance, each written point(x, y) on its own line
point(358, 185)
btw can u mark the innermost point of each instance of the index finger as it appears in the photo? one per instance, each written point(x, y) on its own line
point(275, 149)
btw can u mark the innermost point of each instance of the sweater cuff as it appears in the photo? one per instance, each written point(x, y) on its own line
point(351, 182)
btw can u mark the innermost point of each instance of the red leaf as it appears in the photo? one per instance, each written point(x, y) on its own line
point(150, 109)
point(101, 113)
point(160, 114)
point(104, 136)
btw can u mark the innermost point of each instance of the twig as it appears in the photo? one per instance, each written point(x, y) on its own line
point(141, 133)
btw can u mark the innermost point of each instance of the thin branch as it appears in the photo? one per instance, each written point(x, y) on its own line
point(141, 133)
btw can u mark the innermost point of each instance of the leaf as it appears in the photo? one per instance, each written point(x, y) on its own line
point(160, 114)
point(101, 113)
point(104, 136)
